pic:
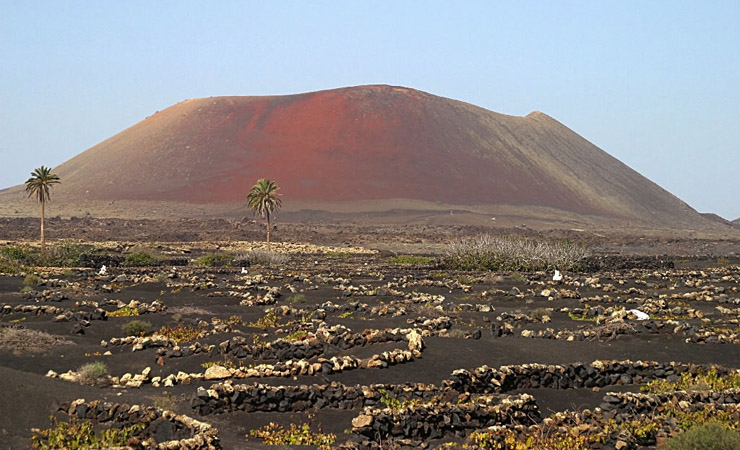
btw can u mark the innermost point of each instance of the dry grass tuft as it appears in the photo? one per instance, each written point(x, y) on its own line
point(23, 340)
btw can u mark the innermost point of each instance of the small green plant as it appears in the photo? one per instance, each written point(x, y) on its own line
point(214, 260)
point(298, 298)
point(394, 403)
point(124, 311)
point(297, 336)
point(139, 259)
point(269, 320)
point(181, 333)
point(723, 262)
point(582, 318)
point(337, 254)
point(81, 436)
point(410, 260)
point(136, 328)
point(345, 315)
point(708, 436)
point(31, 280)
point(705, 380)
point(235, 320)
point(93, 373)
point(225, 363)
point(274, 434)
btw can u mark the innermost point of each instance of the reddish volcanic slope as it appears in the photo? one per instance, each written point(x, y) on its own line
point(362, 143)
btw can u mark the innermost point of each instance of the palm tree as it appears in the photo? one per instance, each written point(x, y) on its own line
point(263, 200)
point(39, 186)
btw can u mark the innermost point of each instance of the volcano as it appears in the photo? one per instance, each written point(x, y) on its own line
point(367, 143)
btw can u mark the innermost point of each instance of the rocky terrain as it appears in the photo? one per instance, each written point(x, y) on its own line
point(368, 348)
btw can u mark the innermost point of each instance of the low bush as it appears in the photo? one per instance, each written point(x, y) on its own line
point(31, 280)
point(214, 260)
point(274, 434)
point(64, 254)
point(705, 380)
point(81, 435)
point(297, 298)
point(93, 373)
point(708, 436)
point(136, 328)
point(181, 333)
point(124, 311)
point(261, 258)
point(139, 259)
point(20, 255)
point(410, 260)
point(23, 340)
point(509, 253)
point(10, 266)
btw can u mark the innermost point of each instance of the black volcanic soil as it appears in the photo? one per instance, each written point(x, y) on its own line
point(28, 397)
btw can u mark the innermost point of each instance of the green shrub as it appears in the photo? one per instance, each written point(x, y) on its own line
point(64, 254)
point(10, 266)
point(410, 260)
point(139, 259)
point(214, 260)
point(93, 373)
point(298, 298)
point(708, 436)
point(510, 253)
point(81, 435)
point(21, 255)
point(136, 328)
point(709, 380)
point(124, 311)
point(181, 333)
point(31, 280)
point(274, 434)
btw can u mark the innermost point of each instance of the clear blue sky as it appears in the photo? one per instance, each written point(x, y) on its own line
point(654, 83)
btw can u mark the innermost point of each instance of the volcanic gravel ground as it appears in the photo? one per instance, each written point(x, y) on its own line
point(492, 319)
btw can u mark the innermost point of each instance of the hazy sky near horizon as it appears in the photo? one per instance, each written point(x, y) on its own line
point(655, 84)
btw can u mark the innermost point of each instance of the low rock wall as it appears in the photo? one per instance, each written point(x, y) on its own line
point(165, 430)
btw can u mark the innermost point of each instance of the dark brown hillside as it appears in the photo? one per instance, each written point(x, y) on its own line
point(368, 143)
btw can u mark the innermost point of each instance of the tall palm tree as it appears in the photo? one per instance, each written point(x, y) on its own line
point(263, 200)
point(39, 186)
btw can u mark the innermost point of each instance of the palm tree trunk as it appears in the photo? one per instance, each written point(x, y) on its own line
point(268, 230)
point(43, 237)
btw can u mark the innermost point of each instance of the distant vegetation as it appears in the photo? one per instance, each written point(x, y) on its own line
point(262, 258)
point(60, 254)
point(264, 200)
point(39, 185)
point(215, 260)
point(509, 253)
point(410, 260)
